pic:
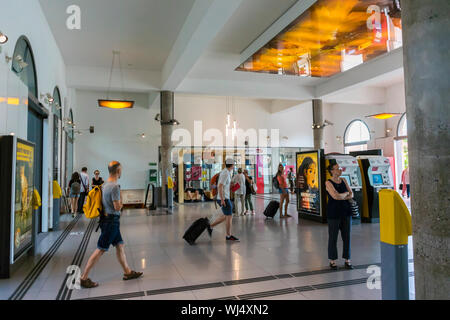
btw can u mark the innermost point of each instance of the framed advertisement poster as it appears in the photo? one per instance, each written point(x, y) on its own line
point(24, 186)
point(310, 185)
point(16, 193)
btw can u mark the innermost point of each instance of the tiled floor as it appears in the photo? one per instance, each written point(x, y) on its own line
point(155, 246)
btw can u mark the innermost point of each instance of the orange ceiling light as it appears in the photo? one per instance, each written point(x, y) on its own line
point(115, 104)
point(330, 37)
point(384, 116)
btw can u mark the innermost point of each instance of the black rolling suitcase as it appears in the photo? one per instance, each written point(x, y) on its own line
point(195, 230)
point(271, 209)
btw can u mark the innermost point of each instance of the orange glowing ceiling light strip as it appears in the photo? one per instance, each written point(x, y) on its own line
point(325, 32)
point(384, 116)
point(116, 104)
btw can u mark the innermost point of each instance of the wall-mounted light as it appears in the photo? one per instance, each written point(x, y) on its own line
point(172, 122)
point(143, 135)
point(48, 99)
point(322, 125)
point(22, 64)
point(384, 115)
point(3, 38)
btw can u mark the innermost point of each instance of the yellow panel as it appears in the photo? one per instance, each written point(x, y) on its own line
point(395, 219)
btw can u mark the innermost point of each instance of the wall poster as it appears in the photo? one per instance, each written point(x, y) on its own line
point(309, 183)
point(24, 186)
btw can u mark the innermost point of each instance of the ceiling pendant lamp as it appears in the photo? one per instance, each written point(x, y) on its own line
point(384, 115)
point(115, 103)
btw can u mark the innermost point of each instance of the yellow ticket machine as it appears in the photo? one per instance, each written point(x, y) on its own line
point(351, 173)
point(376, 175)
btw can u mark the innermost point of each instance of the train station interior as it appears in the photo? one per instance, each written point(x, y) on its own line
point(169, 103)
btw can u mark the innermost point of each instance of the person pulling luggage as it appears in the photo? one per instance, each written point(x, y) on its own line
point(223, 200)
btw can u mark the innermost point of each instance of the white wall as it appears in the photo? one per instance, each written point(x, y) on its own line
point(25, 17)
point(395, 102)
point(117, 132)
point(342, 114)
point(294, 122)
point(117, 137)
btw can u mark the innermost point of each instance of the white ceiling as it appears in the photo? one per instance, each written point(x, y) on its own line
point(144, 31)
point(188, 46)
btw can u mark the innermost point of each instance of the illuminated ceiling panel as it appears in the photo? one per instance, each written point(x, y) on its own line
point(332, 36)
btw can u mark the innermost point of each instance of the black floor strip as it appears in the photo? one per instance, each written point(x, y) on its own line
point(254, 280)
point(236, 282)
point(64, 292)
point(120, 296)
point(29, 280)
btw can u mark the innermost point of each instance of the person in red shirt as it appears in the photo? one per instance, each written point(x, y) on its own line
point(284, 191)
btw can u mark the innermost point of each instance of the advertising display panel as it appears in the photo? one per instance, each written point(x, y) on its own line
point(16, 195)
point(24, 186)
point(310, 184)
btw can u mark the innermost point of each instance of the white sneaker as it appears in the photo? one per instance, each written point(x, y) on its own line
point(253, 212)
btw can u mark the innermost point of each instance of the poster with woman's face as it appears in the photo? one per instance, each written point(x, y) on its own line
point(308, 200)
point(23, 209)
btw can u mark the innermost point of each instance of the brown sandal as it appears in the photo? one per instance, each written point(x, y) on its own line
point(132, 275)
point(88, 283)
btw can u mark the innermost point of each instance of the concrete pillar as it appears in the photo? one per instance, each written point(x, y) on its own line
point(167, 114)
point(318, 120)
point(426, 51)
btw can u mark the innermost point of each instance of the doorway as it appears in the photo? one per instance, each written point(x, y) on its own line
point(35, 135)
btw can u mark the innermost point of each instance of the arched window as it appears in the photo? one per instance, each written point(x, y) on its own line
point(402, 129)
point(356, 136)
point(23, 65)
point(57, 116)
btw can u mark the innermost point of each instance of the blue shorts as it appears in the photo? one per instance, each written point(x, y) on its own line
point(228, 208)
point(74, 195)
point(283, 191)
point(110, 233)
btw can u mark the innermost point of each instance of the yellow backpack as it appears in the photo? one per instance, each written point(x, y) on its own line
point(93, 206)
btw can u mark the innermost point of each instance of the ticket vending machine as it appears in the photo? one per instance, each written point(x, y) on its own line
point(376, 175)
point(352, 173)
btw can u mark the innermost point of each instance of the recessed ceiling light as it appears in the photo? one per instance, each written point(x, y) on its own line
point(384, 115)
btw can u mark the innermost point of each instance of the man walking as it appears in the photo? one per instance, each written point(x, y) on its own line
point(84, 190)
point(223, 199)
point(110, 228)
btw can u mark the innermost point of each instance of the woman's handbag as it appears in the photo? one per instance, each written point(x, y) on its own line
point(235, 187)
point(354, 208)
point(254, 188)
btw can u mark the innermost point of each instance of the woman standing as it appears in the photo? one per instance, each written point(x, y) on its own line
point(284, 191)
point(248, 193)
point(74, 191)
point(339, 215)
point(97, 180)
